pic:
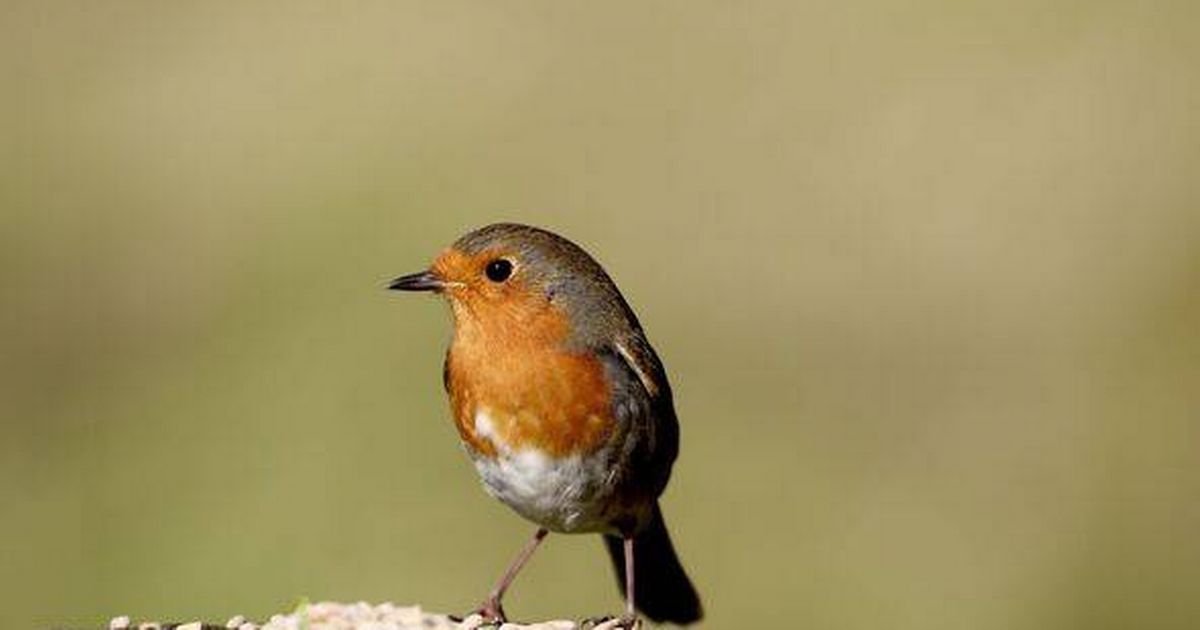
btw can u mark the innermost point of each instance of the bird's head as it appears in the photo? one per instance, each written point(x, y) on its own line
point(510, 277)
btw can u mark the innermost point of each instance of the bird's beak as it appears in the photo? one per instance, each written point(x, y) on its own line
point(420, 281)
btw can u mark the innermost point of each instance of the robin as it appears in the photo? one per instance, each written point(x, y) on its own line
point(562, 405)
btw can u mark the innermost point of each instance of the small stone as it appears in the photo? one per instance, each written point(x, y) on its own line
point(149, 625)
point(235, 622)
point(408, 615)
point(471, 622)
point(282, 622)
point(437, 622)
point(119, 623)
point(247, 626)
point(195, 625)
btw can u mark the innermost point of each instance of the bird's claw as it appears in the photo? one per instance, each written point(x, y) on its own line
point(609, 622)
point(492, 611)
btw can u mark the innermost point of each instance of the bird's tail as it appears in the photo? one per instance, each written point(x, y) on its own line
point(662, 590)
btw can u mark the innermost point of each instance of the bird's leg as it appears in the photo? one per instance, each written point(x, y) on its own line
point(491, 609)
point(630, 614)
point(630, 619)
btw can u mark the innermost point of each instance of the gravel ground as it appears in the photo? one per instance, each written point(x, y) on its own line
point(362, 616)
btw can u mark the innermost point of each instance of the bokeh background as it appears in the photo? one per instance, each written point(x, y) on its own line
point(926, 277)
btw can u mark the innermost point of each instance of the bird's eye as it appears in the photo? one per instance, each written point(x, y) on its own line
point(498, 270)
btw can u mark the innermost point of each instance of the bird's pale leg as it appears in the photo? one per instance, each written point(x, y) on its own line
point(630, 615)
point(492, 610)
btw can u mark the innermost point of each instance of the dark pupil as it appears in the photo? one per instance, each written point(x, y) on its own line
point(498, 270)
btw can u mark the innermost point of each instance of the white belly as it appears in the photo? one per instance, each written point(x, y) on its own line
point(562, 494)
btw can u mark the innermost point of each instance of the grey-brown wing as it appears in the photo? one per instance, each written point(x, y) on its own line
point(643, 405)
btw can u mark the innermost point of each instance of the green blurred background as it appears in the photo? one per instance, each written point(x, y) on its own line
point(926, 277)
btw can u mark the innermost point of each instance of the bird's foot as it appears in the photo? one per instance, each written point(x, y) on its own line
point(609, 622)
point(489, 613)
point(492, 611)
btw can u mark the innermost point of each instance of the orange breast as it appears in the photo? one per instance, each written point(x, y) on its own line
point(530, 392)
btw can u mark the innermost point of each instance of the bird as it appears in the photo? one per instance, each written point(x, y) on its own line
point(562, 405)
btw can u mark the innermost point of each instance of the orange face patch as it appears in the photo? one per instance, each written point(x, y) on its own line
point(507, 362)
